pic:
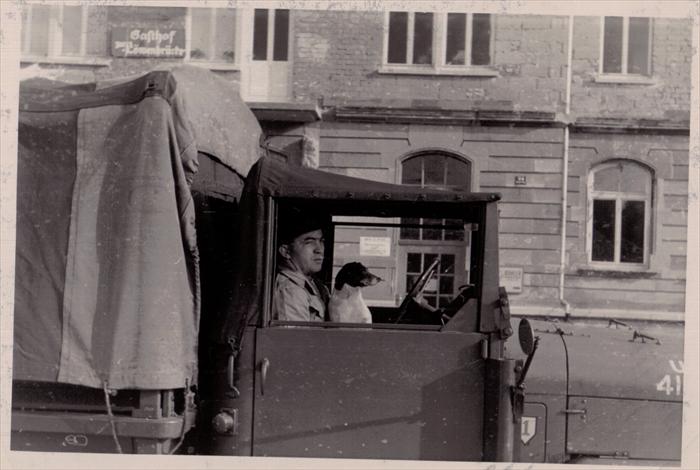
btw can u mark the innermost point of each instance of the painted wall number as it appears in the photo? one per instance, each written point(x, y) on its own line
point(672, 383)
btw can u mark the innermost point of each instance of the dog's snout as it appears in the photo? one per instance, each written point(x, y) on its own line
point(372, 279)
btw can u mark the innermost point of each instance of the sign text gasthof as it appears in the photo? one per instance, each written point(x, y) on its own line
point(148, 42)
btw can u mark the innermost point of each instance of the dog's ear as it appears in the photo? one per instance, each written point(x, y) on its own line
point(340, 278)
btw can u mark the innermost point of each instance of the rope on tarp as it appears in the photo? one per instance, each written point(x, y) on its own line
point(112, 424)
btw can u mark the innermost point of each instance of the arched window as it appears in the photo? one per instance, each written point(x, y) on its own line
point(424, 240)
point(436, 170)
point(619, 211)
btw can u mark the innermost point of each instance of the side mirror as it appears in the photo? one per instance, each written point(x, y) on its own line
point(526, 336)
point(528, 343)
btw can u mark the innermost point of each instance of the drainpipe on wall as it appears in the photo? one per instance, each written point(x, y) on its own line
point(565, 171)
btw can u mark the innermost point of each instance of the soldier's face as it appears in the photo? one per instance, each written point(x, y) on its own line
point(306, 251)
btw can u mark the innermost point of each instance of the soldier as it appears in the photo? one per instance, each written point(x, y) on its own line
point(298, 295)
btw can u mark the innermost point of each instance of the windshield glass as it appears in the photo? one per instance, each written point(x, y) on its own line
point(368, 269)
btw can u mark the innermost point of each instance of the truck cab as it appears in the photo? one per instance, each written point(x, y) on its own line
point(419, 382)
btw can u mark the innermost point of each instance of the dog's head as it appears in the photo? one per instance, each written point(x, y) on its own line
point(355, 275)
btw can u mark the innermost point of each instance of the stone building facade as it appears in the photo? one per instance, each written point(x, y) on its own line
point(581, 123)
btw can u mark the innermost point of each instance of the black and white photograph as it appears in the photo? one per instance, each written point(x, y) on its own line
point(295, 234)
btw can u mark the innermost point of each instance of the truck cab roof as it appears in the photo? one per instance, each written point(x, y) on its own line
point(272, 178)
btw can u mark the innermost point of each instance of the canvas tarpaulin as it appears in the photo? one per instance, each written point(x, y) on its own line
point(107, 280)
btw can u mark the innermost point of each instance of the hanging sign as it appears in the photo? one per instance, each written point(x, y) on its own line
point(148, 42)
point(375, 246)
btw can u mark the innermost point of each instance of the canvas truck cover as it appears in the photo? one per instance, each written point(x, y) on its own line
point(270, 178)
point(107, 279)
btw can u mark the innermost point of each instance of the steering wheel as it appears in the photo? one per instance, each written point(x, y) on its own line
point(417, 288)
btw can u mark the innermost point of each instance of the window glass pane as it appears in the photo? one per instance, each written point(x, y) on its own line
point(398, 30)
point(423, 39)
point(432, 233)
point(638, 49)
point(225, 35)
point(260, 35)
point(201, 27)
point(635, 179)
point(454, 50)
point(411, 171)
point(481, 39)
point(410, 233)
point(454, 234)
point(632, 232)
point(434, 167)
point(612, 45)
point(281, 40)
point(72, 29)
point(410, 280)
point(25, 23)
point(413, 263)
point(457, 173)
point(39, 44)
point(447, 264)
point(429, 258)
point(446, 284)
point(431, 300)
point(607, 179)
point(603, 230)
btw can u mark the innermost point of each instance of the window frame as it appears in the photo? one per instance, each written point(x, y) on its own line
point(438, 66)
point(209, 63)
point(421, 244)
point(54, 49)
point(271, 35)
point(467, 186)
point(273, 205)
point(624, 76)
point(619, 198)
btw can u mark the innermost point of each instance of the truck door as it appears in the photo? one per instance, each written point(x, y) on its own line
point(380, 390)
point(376, 391)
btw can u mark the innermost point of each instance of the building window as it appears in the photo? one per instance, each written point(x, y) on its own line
point(212, 35)
point(271, 35)
point(626, 45)
point(620, 195)
point(423, 240)
point(437, 171)
point(54, 31)
point(438, 39)
point(468, 39)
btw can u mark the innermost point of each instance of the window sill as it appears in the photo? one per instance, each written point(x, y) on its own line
point(459, 71)
point(67, 60)
point(215, 66)
point(625, 79)
point(616, 272)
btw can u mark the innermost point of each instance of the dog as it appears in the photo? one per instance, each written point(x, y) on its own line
point(346, 304)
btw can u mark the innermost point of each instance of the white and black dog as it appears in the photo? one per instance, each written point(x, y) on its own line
point(346, 304)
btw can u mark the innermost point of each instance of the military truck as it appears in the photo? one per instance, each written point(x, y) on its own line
point(604, 392)
point(144, 282)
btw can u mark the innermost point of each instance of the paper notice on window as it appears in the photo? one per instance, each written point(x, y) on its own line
point(375, 246)
point(512, 279)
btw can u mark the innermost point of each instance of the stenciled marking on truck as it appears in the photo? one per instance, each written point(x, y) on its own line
point(77, 440)
point(672, 383)
point(528, 428)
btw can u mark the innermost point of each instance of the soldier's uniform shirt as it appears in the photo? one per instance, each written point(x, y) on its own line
point(298, 298)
